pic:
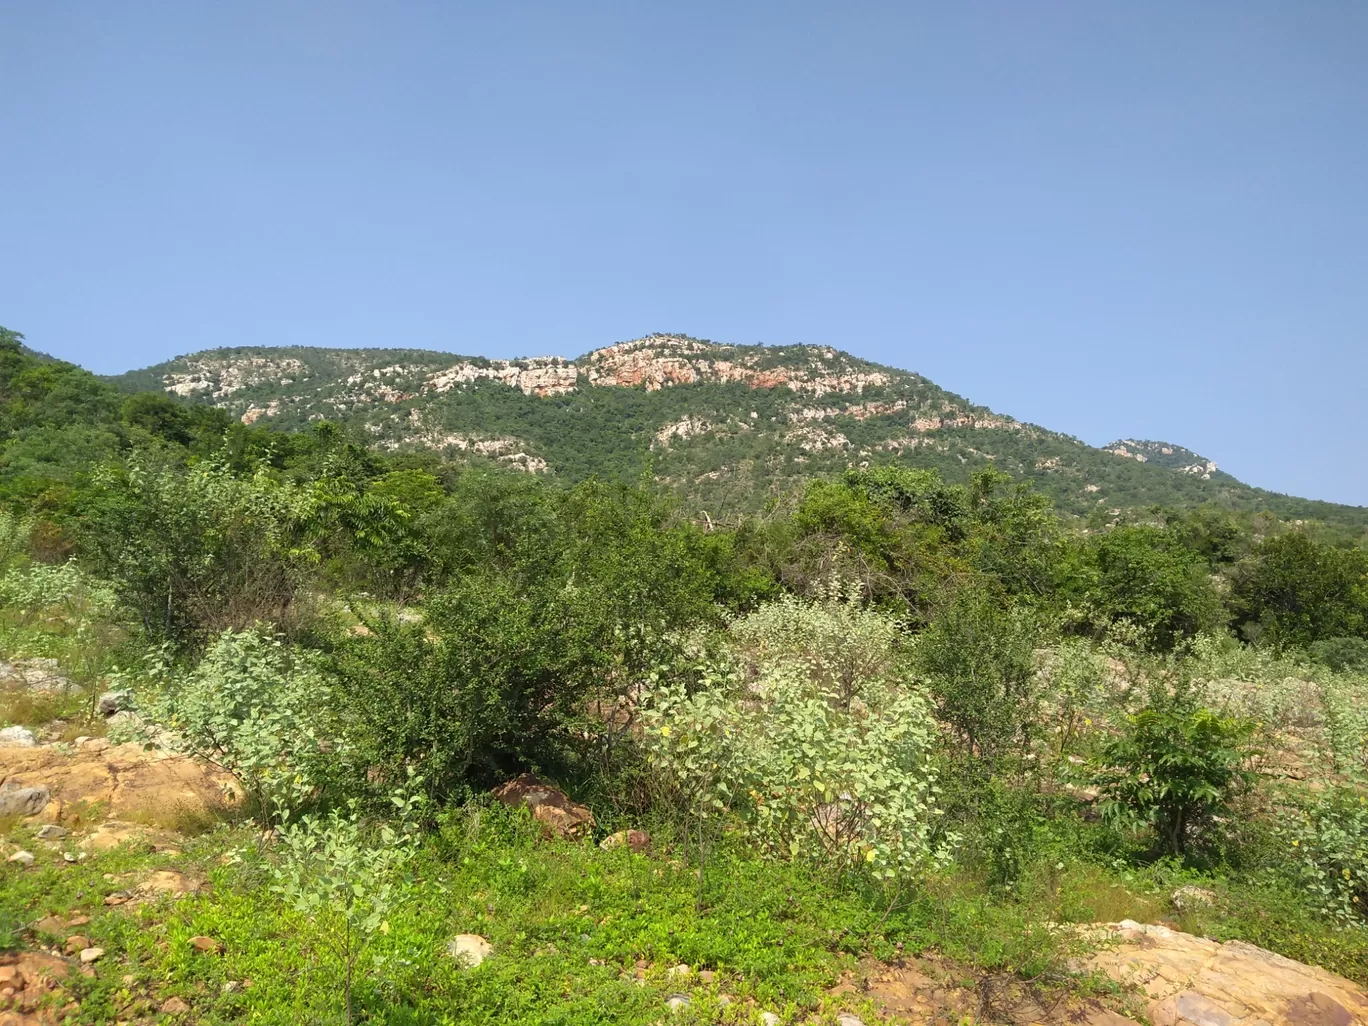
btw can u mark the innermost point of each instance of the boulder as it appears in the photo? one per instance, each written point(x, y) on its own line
point(17, 737)
point(550, 806)
point(470, 948)
point(1192, 981)
point(23, 801)
point(637, 840)
point(112, 702)
point(1190, 897)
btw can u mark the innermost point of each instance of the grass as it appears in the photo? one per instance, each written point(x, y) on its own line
point(587, 936)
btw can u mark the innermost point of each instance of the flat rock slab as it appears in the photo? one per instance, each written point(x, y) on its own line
point(124, 779)
point(1192, 981)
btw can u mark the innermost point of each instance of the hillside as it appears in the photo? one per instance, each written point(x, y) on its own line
point(726, 426)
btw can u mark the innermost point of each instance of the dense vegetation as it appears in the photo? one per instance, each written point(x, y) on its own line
point(749, 445)
point(889, 713)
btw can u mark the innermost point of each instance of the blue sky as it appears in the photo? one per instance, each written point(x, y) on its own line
point(1143, 220)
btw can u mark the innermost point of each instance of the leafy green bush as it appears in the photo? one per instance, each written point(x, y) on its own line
point(820, 760)
point(977, 659)
point(261, 711)
point(1329, 849)
point(1173, 766)
point(342, 873)
point(1141, 575)
point(1295, 591)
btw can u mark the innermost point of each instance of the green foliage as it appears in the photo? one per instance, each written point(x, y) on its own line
point(261, 711)
point(822, 755)
point(977, 660)
point(194, 551)
point(1141, 576)
point(342, 875)
point(1173, 766)
point(1294, 591)
point(1329, 850)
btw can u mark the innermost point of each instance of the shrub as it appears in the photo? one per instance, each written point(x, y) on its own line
point(816, 765)
point(195, 551)
point(262, 712)
point(1173, 766)
point(1296, 591)
point(1329, 847)
point(1143, 576)
point(977, 659)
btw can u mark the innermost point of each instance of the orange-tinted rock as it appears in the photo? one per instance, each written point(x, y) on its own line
point(550, 806)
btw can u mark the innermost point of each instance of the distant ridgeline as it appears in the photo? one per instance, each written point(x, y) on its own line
point(727, 427)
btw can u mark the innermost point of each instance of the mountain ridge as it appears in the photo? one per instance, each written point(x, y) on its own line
point(726, 426)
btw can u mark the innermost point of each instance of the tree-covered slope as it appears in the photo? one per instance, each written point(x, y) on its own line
point(726, 426)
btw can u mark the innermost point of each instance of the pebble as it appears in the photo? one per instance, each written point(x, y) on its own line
point(769, 1019)
point(174, 1006)
point(208, 944)
point(23, 858)
point(677, 1002)
point(51, 832)
point(92, 955)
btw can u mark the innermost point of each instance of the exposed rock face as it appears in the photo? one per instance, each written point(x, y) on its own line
point(658, 361)
point(540, 375)
point(550, 806)
point(125, 777)
point(1192, 981)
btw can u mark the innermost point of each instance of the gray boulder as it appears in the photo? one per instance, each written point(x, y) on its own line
point(17, 737)
point(112, 702)
point(24, 801)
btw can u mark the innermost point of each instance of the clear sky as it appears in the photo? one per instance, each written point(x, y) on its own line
point(1113, 219)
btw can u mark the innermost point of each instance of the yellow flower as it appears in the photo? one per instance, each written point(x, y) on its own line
point(665, 730)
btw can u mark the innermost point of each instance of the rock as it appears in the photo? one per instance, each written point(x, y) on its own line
point(23, 801)
point(124, 779)
point(92, 744)
point(680, 971)
point(232, 987)
point(112, 833)
point(846, 1019)
point(1190, 897)
point(89, 955)
point(550, 806)
point(1192, 981)
point(637, 840)
point(51, 925)
point(769, 1019)
point(166, 882)
point(51, 832)
point(706, 976)
point(76, 942)
point(206, 944)
point(22, 858)
point(469, 948)
point(17, 737)
point(677, 1002)
point(174, 1006)
point(11, 977)
point(112, 702)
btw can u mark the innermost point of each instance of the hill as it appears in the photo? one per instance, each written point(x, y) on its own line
point(727, 426)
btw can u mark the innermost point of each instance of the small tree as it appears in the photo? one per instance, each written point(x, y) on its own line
point(347, 886)
point(1173, 766)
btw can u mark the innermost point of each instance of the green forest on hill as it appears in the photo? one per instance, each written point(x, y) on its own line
point(908, 707)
